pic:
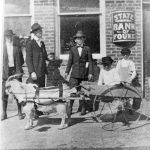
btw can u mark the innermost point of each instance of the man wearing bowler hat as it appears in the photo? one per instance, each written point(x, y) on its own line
point(80, 58)
point(36, 57)
point(12, 64)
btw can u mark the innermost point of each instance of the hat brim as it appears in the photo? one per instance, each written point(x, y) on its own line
point(9, 34)
point(36, 30)
point(108, 62)
point(75, 37)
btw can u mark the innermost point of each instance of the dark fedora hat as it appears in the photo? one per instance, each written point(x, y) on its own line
point(35, 27)
point(125, 51)
point(106, 61)
point(8, 33)
point(79, 34)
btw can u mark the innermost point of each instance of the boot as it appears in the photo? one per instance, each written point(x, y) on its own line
point(83, 110)
point(80, 106)
point(71, 106)
point(4, 114)
point(20, 115)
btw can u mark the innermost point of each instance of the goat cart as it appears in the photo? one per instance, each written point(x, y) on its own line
point(115, 104)
point(32, 97)
point(55, 99)
point(122, 99)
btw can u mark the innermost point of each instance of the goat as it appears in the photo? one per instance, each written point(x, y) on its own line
point(29, 95)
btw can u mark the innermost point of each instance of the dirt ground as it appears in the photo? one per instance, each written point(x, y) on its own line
point(84, 132)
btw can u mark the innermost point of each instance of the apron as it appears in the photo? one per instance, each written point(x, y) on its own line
point(124, 73)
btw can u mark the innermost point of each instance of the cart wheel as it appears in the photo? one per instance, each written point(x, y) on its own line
point(120, 94)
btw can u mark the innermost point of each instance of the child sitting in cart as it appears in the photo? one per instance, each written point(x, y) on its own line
point(108, 74)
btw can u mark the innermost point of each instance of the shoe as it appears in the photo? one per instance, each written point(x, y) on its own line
point(4, 116)
point(79, 110)
point(83, 112)
point(131, 112)
point(39, 113)
point(21, 116)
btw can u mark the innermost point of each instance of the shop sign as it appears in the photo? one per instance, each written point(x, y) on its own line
point(123, 26)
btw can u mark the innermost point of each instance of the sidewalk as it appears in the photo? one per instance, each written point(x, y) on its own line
point(83, 133)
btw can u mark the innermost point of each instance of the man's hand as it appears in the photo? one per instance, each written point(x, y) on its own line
point(130, 80)
point(66, 75)
point(90, 77)
point(33, 76)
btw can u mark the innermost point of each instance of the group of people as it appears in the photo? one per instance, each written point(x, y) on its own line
point(124, 71)
point(80, 61)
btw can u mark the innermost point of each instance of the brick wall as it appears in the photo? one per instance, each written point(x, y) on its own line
point(112, 49)
point(147, 90)
point(44, 15)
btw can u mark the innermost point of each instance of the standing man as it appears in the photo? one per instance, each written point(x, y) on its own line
point(12, 64)
point(80, 58)
point(36, 57)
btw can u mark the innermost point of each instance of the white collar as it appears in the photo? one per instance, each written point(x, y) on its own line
point(36, 38)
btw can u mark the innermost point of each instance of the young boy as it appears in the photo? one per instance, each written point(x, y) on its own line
point(126, 67)
point(108, 74)
point(80, 58)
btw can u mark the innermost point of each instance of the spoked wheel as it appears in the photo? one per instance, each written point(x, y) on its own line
point(118, 99)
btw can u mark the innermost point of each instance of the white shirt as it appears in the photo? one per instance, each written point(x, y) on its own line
point(109, 77)
point(80, 51)
point(9, 46)
point(127, 63)
point(38, 40)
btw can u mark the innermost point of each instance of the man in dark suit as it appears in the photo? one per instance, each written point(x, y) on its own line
point(12, 64)
point(36, 57)
point(80, 58)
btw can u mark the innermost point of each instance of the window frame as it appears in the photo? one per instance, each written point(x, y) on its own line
point(102, 29)
point(31, 14)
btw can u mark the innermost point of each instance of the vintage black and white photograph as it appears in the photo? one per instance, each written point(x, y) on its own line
point(75, 74)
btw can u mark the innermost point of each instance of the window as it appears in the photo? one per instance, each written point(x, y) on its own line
point(85, 15)
point(18, 16)
point(88, 24)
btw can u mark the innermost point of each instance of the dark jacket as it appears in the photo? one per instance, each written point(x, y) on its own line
point(77, 63)
point(18, 60)
point(36, 58)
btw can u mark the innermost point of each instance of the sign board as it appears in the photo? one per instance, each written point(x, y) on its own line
point(123, 26)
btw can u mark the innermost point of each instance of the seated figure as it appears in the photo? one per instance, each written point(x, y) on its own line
point(108, 74)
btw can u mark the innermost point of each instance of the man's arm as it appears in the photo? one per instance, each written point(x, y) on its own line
point(133, 75)
point(90, 60)
point(70, 61)
point(29, 57)
point(45, 52)
point(100, 79)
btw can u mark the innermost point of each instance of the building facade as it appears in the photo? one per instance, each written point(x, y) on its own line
point(61, 19)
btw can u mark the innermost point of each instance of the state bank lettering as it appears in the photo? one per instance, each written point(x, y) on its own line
point(123, 26)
